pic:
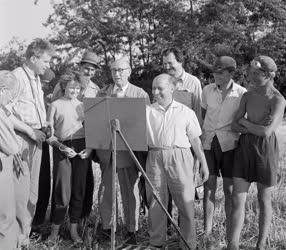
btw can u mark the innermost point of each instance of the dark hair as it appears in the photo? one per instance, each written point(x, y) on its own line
point(177, 53)
point(69, 76)
point(39, 47)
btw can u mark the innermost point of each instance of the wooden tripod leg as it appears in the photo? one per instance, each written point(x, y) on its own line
point(113, 216)
point(152, 188)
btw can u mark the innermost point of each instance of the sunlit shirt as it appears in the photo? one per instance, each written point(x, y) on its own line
point(68, 119)
point(219, 115)
point(174, 127)
point(29, 105)
point(190, 83)
point(91, 90)
point(119, 91)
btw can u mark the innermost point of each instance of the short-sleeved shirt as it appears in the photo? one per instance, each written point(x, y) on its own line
point(91, 90)
point(174, 127)
point(192, 84)
point(68, 119)
point(28, 106)
point(219, 115)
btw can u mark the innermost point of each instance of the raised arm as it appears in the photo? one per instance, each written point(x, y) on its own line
point(236, 126)
point(276, 114)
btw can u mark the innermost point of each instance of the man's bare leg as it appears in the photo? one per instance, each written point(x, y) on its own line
point(265, 214)
point(227, 189)
point(240, 189)
point(209, 203)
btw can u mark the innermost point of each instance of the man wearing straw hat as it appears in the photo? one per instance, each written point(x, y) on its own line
point(87, 67)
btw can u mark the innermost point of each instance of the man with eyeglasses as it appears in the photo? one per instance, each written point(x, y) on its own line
point(126, 169)
point(257, 154)
point(87, 67)
point(220, 101)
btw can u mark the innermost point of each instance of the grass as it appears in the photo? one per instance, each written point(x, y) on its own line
point(276, 239)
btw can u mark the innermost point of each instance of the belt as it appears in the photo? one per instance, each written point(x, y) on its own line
point(165, 148)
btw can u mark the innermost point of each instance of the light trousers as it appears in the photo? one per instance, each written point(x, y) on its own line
point(8, 224)
point(171, 169)
point(26, 184)
point(128, 180)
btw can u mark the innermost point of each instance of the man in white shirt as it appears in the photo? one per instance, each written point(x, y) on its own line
point(173, 65)
point(29, 115)
point(220, 101)
point(172, 128)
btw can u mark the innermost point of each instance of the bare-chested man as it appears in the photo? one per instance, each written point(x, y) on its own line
point(256, 157)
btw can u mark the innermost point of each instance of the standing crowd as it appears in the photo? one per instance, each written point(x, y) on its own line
point(227, 130)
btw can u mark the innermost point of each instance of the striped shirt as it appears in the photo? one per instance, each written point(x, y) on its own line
point(191, 84)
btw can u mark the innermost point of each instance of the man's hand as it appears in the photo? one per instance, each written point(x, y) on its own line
point(204, 173)
point(37, 135)
point(85, 153)
point(69, 152)
point(242, 121)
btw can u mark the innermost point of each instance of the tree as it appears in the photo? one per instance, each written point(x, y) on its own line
point(202, 29)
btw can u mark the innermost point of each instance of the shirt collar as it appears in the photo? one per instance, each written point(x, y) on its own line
point(173, 104)
point(91, 84)
point(182, 76)
point(30, 72)
point(124, 88)
point(180, 82)
point(232, 87)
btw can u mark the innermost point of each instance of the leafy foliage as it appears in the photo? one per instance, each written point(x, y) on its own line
point(203, 29)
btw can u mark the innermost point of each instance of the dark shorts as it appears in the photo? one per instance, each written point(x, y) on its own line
point(219, 163)
point(256, 159)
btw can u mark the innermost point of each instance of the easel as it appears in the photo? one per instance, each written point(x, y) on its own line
point(116, 130)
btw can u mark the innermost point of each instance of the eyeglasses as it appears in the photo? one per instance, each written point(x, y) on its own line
point(120, 71)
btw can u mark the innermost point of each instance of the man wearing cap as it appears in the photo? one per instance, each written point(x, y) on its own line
point(256, 156)
point(28, 109)
point(172, 129)
point(173, 65)
point(220, 101)
point(126, 168)
point(88, 66)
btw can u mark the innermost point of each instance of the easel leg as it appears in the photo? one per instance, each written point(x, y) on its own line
point(152, 188)
point(113, 216)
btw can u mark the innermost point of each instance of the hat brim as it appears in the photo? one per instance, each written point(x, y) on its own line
point(219, 70)
point(90, 62)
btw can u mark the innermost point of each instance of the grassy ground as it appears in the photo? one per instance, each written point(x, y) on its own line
point(276, 240)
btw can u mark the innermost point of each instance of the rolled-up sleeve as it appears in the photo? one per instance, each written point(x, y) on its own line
point(193, 126)
point(204, 104)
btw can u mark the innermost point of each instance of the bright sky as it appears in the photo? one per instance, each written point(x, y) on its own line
point(23, 19)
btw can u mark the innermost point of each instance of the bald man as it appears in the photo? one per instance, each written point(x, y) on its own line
point(172, 129)
point(126, 169)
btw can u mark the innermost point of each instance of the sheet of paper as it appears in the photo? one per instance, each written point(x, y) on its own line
point(131, 113)
point(183, 97)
